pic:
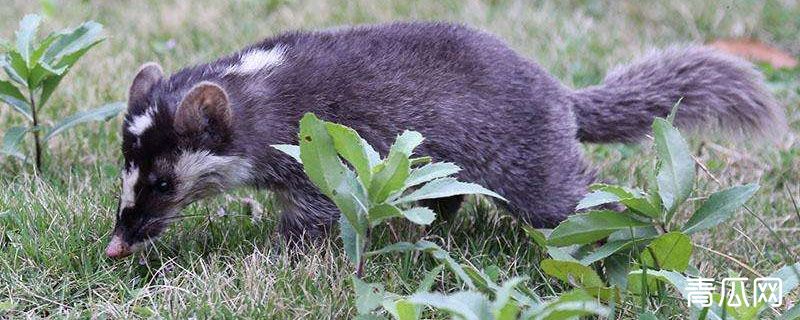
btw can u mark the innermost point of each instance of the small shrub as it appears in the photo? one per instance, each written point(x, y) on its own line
point(34, 69)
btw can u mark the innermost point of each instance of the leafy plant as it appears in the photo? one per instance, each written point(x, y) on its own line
point(35, 69)
point(377, 189)
point(642, 247)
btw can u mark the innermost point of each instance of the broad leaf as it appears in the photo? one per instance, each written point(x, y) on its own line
point(676, 172)
point(591, 226)
point(15, 67)
point(11, 140)
point(571, 305)
point(430, 172)
point(289, 149)
point(368, 295)
point(390, 177)
point(351, 240)
point(573, 273)
point(595, 199)
point(635, 200)
point(49, 84)
point(607, 249)
point(420, 215)
point(11, 95)
point(789, 275)
point(503, 306)
point(427, 283)
point(320, 160)
point(540, 239)
point(670, 251)
point(443, 256)
point(26, 35)
point(469, 305)
point(372, 155)
point(348, 144)
point(407, 142)
point(402, 309)
point(102, 113)
point(445, 187)
point(719, 207)
point(70, 42)
point(381, 212)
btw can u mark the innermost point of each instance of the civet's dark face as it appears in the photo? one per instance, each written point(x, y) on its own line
point(173, 156)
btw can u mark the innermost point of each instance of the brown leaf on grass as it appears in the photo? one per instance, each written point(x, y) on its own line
point(757, 51)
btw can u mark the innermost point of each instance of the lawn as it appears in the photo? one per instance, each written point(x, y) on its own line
point(226, 263)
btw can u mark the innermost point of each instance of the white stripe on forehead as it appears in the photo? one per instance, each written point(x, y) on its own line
point(201, 172)
point(142, 122)
point(129, 179)
point(258, 59)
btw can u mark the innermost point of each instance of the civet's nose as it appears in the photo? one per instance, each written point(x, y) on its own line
point(117, 248)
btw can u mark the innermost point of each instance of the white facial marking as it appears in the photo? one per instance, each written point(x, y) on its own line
point(256, 60)
point(129, 178)
point(200, 173)
point(142, 122)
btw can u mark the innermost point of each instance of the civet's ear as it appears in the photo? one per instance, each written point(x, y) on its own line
point(204, 114)
point(149, 74)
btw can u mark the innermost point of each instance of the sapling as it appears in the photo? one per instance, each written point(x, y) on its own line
point(34, 70)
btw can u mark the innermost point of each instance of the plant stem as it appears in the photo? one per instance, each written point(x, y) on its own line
point(37, 143)
point(361, 260)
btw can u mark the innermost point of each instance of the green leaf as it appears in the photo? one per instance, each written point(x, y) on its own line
point(290, 149)
point(15, 67)
point(11, 95)
point(443, 256)
point(554, 252)
point(647, 315)
point(407, 142)
point(6, 305)
point(595, 199)
point(420, 215)
point(390, 177)
point(789, 275)
point(670, 251)
point(469, 305)
point(430, 172)
point(402, 309)
point(719, 207)
point(635, 200)
point(42, 46)
point(503, 306)
point(351, 240)
point(571, 305)
point(75, 40)
point(591, 226)
point(445, 187)
point(11, 140)
point(676, 173)
point(572, 272)
point(26, 35)
point(607, 249)
point(320, 160)
point(427, 283)
point(791, 314)
point(372, 155)
point(102, 113)
point(368, 295)
point(349, 146)
point(50, 84)
point(382, 212)
point(394, 247)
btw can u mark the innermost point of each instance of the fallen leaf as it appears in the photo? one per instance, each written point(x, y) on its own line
point(757, 51)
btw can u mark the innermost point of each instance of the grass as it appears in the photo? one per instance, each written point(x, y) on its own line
point(53, 227)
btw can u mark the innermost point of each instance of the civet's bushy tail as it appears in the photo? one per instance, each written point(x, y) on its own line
point(714, 89)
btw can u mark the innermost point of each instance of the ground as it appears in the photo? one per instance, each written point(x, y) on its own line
point(53, 228)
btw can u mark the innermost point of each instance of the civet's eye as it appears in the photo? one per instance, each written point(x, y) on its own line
point(163, 186)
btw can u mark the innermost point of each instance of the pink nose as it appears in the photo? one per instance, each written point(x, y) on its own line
point(117, 248)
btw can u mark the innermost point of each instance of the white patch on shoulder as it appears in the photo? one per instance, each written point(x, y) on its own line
point(258, 59)
point(142, 122)
point(201, 173)
point(129, 179)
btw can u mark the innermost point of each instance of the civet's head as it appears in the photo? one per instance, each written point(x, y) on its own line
point(176, 147)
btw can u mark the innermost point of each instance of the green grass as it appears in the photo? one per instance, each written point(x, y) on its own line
point(53, 227)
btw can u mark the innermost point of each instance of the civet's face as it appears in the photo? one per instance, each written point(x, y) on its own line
point(172, 157)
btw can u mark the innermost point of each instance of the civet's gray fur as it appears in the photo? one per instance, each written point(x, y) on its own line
point(510, 125)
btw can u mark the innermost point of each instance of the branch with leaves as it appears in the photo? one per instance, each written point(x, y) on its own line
point(34, 70)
